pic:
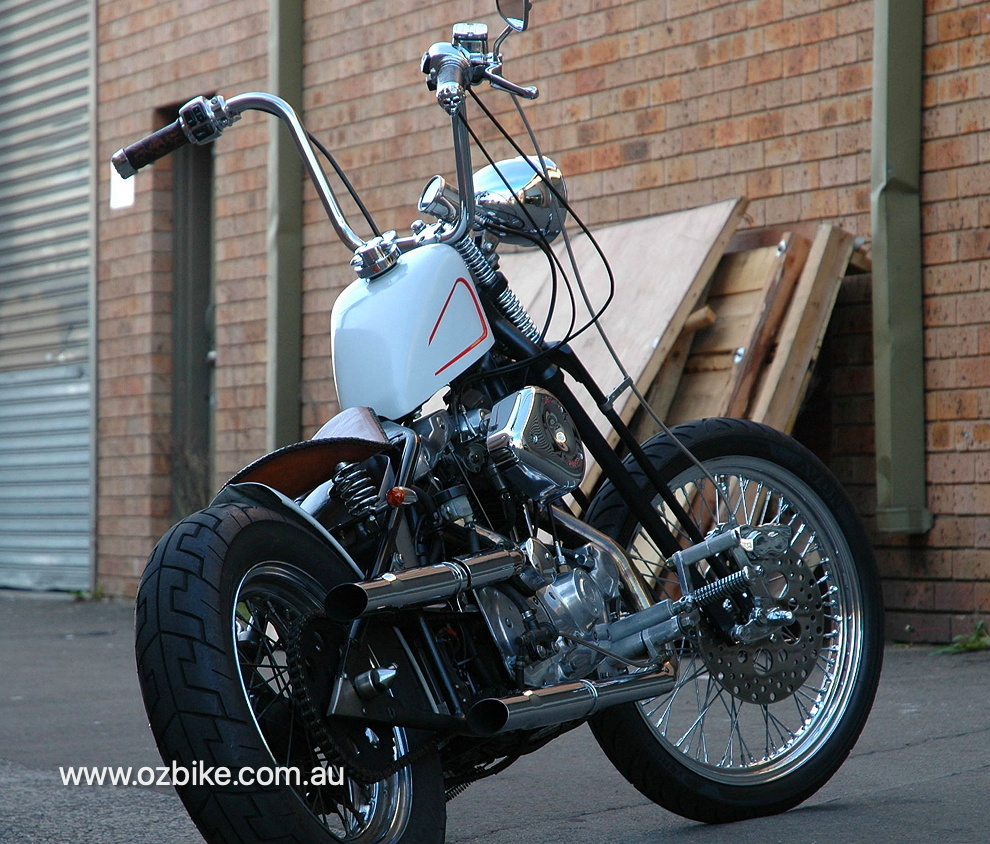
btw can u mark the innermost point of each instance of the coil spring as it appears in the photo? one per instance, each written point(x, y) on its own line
point(484, 276)
point(353, 486)
point(725, 588)
point(481, 268)
point(512, 309)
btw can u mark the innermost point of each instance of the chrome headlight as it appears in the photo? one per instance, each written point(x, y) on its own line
point(513, 195)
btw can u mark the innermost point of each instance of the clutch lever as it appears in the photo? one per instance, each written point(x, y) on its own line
point(530, 92)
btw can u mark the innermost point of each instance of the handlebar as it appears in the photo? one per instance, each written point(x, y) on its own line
point(202, 121)
point(157, 145)
point(452, 67)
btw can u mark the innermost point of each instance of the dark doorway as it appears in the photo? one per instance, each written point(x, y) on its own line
point(193, 396)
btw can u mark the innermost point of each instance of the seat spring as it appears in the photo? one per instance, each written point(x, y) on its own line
point(353, 485)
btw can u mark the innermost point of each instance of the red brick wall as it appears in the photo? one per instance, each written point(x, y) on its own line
point(154, 56)
point(941, 583)
point(648, 107)
point(936, 586)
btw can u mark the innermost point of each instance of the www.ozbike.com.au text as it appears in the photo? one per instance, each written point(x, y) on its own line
point(201, 774)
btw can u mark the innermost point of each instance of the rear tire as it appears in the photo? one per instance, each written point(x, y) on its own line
point(221, 592)
point(752, 730)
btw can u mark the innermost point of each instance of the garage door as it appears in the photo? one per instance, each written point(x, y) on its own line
point(45, 287)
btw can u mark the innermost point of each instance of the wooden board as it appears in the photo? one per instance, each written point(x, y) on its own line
point(661, 267)
point(664, 387)
point(784, 381)
point(794, 250)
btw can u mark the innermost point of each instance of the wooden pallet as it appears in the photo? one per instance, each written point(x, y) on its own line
point(767, 310)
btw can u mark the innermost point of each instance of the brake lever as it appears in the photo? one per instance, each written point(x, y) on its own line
point(501, 84)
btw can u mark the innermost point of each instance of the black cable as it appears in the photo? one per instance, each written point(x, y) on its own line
point(540, 242)
point(571, 333)
point(346, 182)
point(564, 203)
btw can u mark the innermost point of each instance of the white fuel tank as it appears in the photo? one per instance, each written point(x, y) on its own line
point(400, 338)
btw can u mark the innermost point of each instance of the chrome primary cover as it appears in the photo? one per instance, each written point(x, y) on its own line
point(532, 439)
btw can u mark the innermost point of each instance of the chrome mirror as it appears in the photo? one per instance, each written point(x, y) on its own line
point(515, 13)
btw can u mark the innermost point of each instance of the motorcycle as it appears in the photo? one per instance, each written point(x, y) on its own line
point(414, 599)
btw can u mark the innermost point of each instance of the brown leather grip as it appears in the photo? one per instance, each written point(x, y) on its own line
point(156, 145)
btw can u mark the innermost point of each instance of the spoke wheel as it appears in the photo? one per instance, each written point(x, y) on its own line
point(743, 713)
point(218, 606)
point(752, 728)
point(271, 599)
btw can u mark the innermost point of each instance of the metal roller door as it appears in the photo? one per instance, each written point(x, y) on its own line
point(45, 287)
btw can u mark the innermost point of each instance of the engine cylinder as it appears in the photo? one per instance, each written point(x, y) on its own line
point(534, 442)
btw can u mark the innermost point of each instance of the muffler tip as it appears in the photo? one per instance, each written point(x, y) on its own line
point(487, 717)
point(346, 602)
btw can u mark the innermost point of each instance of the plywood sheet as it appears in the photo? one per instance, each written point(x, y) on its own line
point(661, 266)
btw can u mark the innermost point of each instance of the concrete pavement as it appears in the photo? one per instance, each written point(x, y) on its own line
point(69, 696)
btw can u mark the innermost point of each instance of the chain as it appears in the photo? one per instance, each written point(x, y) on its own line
point(316, 724)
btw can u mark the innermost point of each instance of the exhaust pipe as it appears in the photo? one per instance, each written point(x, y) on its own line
point(423, 585)
point(638, 592)
point(565, 702)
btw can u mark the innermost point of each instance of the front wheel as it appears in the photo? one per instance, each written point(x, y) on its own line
point(754, 728)
point(224, 595)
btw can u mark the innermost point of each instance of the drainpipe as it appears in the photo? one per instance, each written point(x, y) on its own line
point(899, 377)
point(284, 325)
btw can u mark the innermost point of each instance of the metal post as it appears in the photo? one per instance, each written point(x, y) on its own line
point(899, 387)
point(284, 326)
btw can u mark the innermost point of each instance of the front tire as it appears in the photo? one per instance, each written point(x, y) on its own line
point(752, 730)
point(223, 592)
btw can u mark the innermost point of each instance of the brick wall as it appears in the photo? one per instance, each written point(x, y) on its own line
point(936, 586)
point(648, 107)
point(940, 583)
point(154, 56)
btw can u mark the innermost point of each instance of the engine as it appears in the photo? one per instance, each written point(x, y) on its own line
point(540, 635)
point(540, 619)
point(490, 478)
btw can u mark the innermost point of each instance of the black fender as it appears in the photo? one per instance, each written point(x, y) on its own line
point(271, 499)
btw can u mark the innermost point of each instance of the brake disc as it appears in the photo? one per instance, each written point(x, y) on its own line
point(775, 667)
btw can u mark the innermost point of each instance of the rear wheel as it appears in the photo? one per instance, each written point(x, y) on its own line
point(225, 593)
point(752, 728)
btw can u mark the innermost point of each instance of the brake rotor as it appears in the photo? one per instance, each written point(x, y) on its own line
point(775, 667)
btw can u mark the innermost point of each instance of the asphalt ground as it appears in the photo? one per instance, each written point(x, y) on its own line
point(69, 697)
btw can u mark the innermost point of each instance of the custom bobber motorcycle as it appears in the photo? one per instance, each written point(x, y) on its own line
point(413, 599)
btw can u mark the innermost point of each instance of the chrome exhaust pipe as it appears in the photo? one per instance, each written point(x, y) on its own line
point(638, 592)
point(565, 702)
point(422, 585)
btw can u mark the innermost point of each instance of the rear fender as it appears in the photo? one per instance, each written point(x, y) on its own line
point(272, 499)
point(351, 436)
point(274, 480)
